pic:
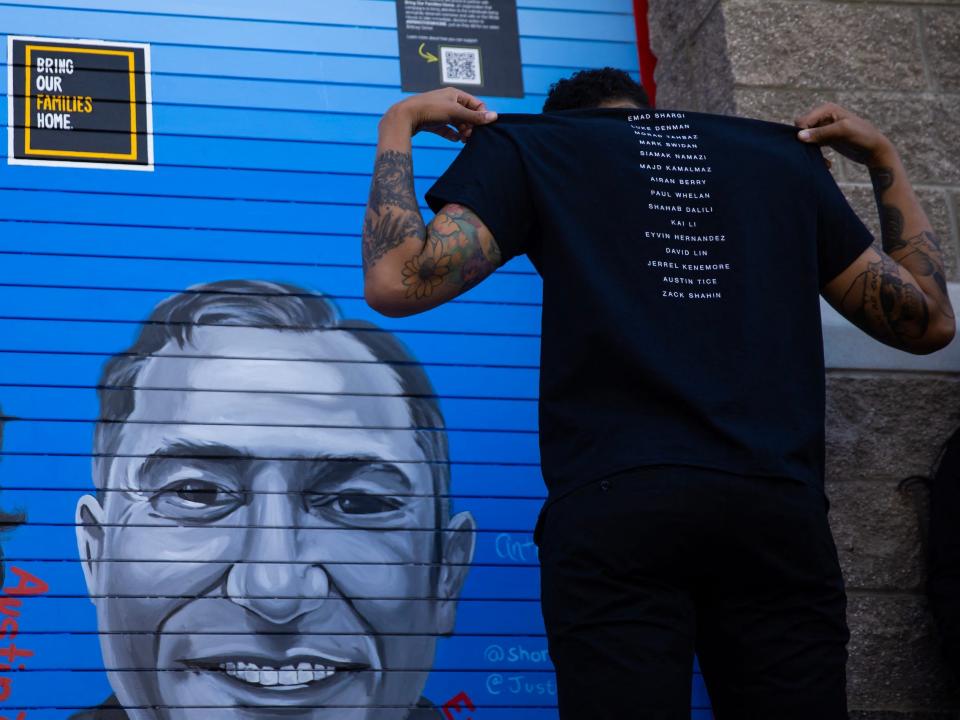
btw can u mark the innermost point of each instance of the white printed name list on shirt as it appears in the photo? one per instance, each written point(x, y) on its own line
point(687, 251)
point(79, 103)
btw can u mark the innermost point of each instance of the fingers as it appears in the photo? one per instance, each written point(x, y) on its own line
point(821, 115)
point(465, 131)
point(446, 132)
point(475, 110)
point(826, 134)
point(469, 101)
point(461, 114)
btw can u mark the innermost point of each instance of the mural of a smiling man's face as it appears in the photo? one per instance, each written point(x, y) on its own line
point(274, 539)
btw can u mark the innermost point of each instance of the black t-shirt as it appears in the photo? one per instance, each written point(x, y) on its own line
point(682, 255)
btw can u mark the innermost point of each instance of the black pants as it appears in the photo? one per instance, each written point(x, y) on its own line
point(643, 569)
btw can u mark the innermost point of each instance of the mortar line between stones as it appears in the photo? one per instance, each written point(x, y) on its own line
point(867, 373)
point(703, 20)
point(886, 592)
point(683, 44)
point(848, 91)
point(953, 220)
point(928, 73)
point(886, 3)
point(946, 187)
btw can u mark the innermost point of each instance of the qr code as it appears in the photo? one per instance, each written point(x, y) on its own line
point(461, 66)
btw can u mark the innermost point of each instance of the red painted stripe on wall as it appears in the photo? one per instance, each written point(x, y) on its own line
point(648, 61)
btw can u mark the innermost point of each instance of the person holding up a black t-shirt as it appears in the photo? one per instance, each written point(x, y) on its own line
point(682, 381)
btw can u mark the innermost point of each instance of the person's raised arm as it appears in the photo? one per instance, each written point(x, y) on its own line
point(896, 290)
point(409, 266)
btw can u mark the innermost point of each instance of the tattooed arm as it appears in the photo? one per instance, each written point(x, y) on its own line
point(896, 290)
point(408, 266)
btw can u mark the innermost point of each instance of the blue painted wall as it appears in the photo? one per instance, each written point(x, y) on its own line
point(265, 121)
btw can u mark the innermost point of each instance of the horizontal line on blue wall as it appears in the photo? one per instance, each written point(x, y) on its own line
point(278, 633)
point(230, 711)
point(549, 9)
point(318, 53)
point(447, 496)
point(374, 28)
point(298, 81)
point(397, 331)
point(109, 101)
point(277, 21)
point(244, 561)
point(220, 527)
point(185, 228)
point(245, 108)
point(362, 633)
point(177, 196)
point(248, 391)
point(451, 147)
point(292, 171)
point(312, 426)
point(239, 261)
point(394, 461)
point(219, 293)
point(194, 356)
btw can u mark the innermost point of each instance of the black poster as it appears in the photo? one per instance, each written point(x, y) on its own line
point(79, 103)
point(470, 44)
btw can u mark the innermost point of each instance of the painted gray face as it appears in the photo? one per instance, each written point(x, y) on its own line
point(278, 549)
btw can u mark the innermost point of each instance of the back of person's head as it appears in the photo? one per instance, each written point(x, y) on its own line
point(593, 88)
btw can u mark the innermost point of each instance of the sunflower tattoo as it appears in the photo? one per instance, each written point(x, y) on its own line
point(422, 274)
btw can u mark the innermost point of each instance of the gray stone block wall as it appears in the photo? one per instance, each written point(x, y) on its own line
point(898, 64)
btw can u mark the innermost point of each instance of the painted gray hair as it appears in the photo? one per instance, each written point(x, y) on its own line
point(266, 305)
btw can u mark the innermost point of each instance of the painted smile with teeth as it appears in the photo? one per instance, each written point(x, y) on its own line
point(287, 676)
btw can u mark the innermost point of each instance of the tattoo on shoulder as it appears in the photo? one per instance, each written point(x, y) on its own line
point(456, 256)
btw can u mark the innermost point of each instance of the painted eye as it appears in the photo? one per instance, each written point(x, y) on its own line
point(197, 493)
point(366, 504)
point(356, 503)
point(195, 499)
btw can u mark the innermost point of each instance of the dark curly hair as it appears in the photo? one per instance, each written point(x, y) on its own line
point(590, 88)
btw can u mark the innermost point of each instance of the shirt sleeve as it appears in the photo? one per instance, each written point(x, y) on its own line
point(489, 177)
point(841, 235)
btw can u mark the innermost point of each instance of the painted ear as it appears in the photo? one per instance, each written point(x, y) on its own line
point(459, 542)
point(89, 525)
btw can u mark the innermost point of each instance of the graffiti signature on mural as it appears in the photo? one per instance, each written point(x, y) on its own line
point(515, 654)
point(28, 585)
point(510, 548)
point(501, 684)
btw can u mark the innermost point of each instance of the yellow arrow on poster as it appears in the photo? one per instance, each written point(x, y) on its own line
point(427, 55)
